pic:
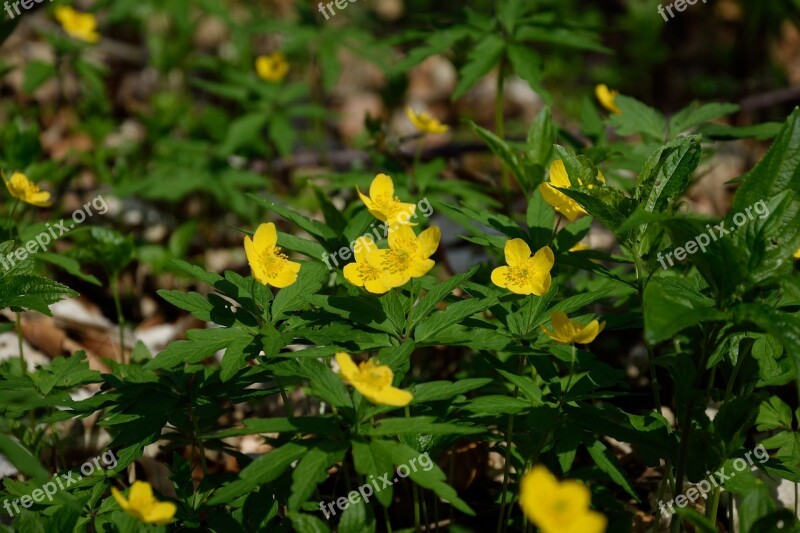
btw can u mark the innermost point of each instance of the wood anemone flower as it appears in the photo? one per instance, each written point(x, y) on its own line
point(566, 331)
point(269, 265)
point(425, 122)
point(25, 190)
point(362, 273)
point(143, 505)
point(525, 274)
point(607, 98)
point(272, 68)
point(373, 381)
point(384, 205)
point(79, 25)
point(557, 199)
point(558, 506)
point(408, 255)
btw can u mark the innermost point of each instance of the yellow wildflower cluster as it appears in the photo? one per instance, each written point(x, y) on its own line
point(408, 256)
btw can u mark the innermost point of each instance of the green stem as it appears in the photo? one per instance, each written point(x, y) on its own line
point(569, 379)
point(711, 511)
point(120, 316)
point(501, 523)
point(498, 122)
point(414, 493)
point(22, 364)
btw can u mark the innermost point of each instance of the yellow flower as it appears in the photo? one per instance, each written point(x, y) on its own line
point(82, 26)
point(373, 381)
point(143, 505)
point(407, 257)
point(524, 274)
point(23, 189)
point(558, 507)
point(560, 201)
point(566, 331)
point(797, 254)
point(269, 265)
point(425, 122)
point(273, 67)
point(362, 273)
point(607, 98)
point(384, 205)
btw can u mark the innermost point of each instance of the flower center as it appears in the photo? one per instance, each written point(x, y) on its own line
point(397, 260)
point(272, 259)
point(518, 275)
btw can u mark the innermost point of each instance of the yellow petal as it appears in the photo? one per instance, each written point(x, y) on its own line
point(589, 332)
point(140, 495)
point(401, 237)
point(607, 98)
point(421, 267)
point(576, 493)
point(382, 185)
point(393, 396)
point(499, 276)
point(428, 242)
point(543, 259)
point(558, 174)
point(797, 254)
point(286, 276)
point(161, 513)
point(353, 274)
point(376, 286)
point(120, 498)
point(347, 368)
point(266, 237)
point(363, 246)
point(516, 252)
point(588, 522)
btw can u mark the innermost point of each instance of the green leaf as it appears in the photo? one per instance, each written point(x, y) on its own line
point(357, 518)
point(293, 298)
point(243, 131)
point(693, 115)
point(22, 459)
point(32, 292)
point(433, 479)
point(308, 523)
point(484, 55)
point(608, 464)
point(200, 344)
point(672, 304)
point(561, 37)
point(542, 135)
point(434, 391)
point(263, 470)
point(372, 461)
point(637, 117)
point(494, 405)
point(421, 425)
point(667, 173)
point(195, 303)
point(503, 150)
point(313, 470)
point(452, 315)
point(436, 294)
point(36, 73)
point(774, 414)
point(528, 65)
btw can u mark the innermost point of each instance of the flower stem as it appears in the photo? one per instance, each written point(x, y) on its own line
point(501, 524)
point(22, 364)
point(498, 122)
point(120, 316)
